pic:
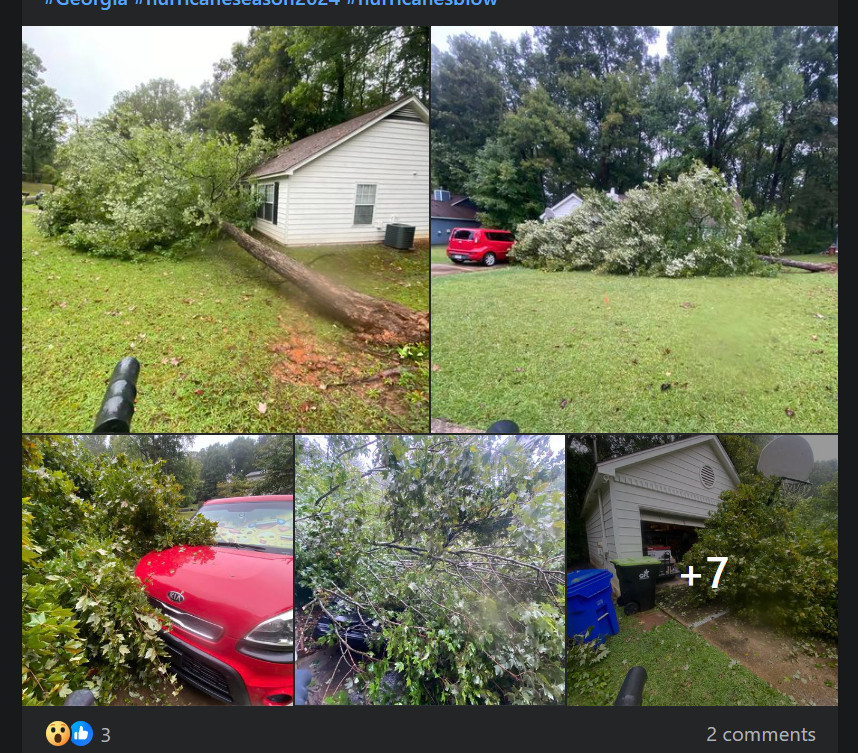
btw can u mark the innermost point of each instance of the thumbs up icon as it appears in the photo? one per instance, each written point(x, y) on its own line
point(81, 733)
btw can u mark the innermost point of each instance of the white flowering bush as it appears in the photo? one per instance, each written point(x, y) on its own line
point(696, 225)
point(571, 242)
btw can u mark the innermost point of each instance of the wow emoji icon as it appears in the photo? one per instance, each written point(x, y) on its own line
point(58, 733)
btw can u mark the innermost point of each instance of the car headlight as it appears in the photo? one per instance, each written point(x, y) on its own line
point(275, 632)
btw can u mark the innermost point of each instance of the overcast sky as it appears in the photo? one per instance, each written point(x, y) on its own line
point(90, 64)
point(824, 446)
point(440, 34)
point(205, 440)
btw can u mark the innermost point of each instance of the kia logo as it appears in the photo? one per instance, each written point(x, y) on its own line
point(175, 596)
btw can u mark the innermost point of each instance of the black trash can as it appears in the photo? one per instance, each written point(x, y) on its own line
point(637, 578)
point(397, 235)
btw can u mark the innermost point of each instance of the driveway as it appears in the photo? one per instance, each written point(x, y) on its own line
point(442, 426)
point(440, 269)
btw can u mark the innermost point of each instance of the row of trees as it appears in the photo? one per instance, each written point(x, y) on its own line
point(218, 470)
point(292, 80)
point(43, 119)
point(518, 125)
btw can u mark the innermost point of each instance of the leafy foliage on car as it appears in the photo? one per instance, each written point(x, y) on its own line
point(454, 546)
point(85, 521)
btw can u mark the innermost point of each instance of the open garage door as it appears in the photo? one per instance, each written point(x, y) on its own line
point(668, 539)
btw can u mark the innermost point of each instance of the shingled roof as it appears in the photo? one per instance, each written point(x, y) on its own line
point(451, 210)
point(307, 148)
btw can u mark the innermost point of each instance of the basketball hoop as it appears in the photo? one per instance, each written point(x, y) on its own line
point(791, 485)
point(787, 459)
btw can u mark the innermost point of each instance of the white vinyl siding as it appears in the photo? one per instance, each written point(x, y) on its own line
point(666, 488)
point(393, 155)
point(681, 470)
point(597, 524)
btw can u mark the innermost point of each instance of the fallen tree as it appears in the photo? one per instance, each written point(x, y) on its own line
point(809, 266)
point(448, 552)
point(695, 225)
point(358, 311)
point(150, 190)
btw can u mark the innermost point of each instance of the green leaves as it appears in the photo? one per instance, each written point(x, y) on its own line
point(781, 570)
point(148, 189)
point(86, 622)
point(694, 225)
point(457, 560)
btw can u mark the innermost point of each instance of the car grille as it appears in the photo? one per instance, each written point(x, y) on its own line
point(200, 675)
point(185, 620)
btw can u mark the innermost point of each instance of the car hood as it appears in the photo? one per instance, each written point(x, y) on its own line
point(234, 588)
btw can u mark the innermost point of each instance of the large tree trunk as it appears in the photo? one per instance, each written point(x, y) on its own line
point(809, 266)
point(391, 322)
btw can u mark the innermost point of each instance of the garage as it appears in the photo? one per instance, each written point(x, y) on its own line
point(654, 502)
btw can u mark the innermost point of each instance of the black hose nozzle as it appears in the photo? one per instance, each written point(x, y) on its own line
point(117, 407)
point(503, 427)
point(80, 698)
point(631, 693)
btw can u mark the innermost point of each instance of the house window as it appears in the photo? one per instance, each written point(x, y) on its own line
point(268, 196)
point(364, 203)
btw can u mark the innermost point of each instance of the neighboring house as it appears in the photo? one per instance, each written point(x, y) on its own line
point(571, 203)
point(345, 184)
point(562, 207)
point(255, 476)
point(656, 497)
point(447, 211)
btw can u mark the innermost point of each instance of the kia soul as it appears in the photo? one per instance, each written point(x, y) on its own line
point(480, 245)
point(231, 631)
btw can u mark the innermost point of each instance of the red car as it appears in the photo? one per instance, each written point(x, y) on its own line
point(230, 604)
point(479, 244)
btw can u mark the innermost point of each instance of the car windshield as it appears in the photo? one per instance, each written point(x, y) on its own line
point(266, 526)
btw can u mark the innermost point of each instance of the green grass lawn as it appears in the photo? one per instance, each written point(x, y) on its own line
point(682, 670)
point(439, 255)
point(401, 276)
point(578, 351)
point(225, 345)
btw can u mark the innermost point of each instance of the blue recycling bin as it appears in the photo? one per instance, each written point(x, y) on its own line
point(589, 605)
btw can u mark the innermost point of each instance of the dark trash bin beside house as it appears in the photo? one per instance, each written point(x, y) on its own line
point(637, 578)
point(398, 235)
point(589, 606)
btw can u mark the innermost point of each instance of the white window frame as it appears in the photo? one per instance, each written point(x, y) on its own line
point(362, 199)
point(263, 189)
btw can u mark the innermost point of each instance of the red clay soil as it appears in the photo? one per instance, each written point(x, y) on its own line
point(648, 620)
point(806, 671)
point(302, 363)
point(779, 660)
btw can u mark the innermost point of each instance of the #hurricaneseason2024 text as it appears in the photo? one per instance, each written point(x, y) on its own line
point(108, 4)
